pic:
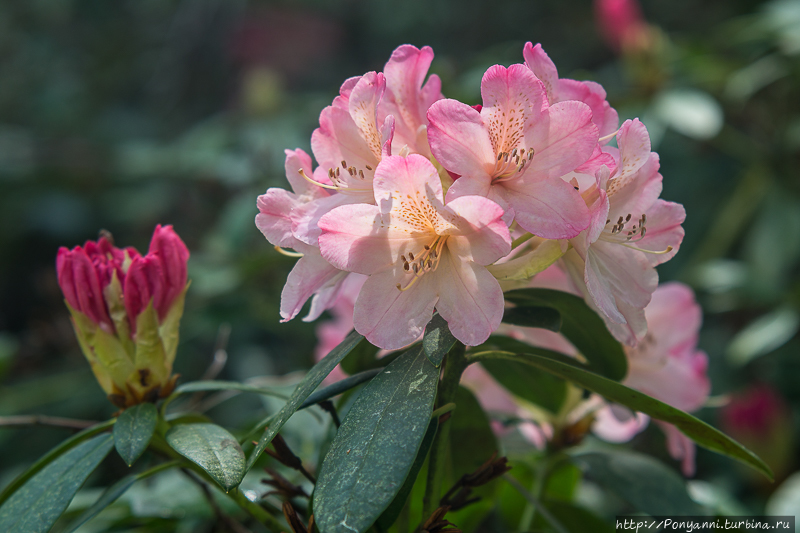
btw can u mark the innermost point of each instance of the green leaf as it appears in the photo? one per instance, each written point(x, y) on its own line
point(528, 265)
point(531, 384)
point(472, 442)
point(339, 387)
point(362, 358)
point(133, 431)
point(533, 317)
point(388, 517)
point(642, 481)
point(201, 386)
point(575, 519)
point(304, 389)
point(52, 455)
point(697, 430)
point(581, 326)
point(376, 446)
point(437, 340)
point(36, 506)
point(213, 449)
point(115, 491)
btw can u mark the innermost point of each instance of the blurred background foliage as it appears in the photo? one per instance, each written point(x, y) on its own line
point(121, 115)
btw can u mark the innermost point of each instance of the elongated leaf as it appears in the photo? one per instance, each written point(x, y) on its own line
point(376, 446)
point(36, 506)
point(116, 490)
point(391, 513)
point(304, 389)
point(702, 433)
point(533, 317)
point(200, 386)
point(213, 449)
point(52, 455)
point(362, 358)
point(339, 387)
point(574, 519)
point(531, 384)
point(582, 326)
point(437, 340)
point(644, 482)
point(528, 265)
point(133, 431)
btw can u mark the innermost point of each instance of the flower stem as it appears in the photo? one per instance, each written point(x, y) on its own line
point(454, 365)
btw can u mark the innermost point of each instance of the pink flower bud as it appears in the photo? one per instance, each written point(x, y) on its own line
point(144, 282)
point(81, 285)
point(619, 21)
point(171, 253)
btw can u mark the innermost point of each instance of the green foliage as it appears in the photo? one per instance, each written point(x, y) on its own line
point(133, 430)
point(310, 382)
point(376, 446)
point(648, 485)
point(699, 431)
point(581, 326)
point(213, 449)
point(437, 340)
point(36, 506)
point(531, 384)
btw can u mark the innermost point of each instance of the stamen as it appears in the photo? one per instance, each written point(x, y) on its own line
point(411, 255)
point(368, 167)
point(668, 250)
point(344, 163)
point(607, 137)
point(287, 253)
point(628, 218)
point(323, 185)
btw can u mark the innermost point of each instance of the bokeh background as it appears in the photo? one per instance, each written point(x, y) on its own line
point(121, 115)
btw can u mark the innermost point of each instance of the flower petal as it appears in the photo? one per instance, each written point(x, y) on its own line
point(549, 208)
point(459, 139)
point(470, 299)
point(481, 235)
point(390, 318)
point(563, 139)
point(275, 216)
point(310, 274)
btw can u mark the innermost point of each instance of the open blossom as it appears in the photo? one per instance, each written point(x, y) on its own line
point(126, 309)
point(515, 148)
point(407, 99)
point(631, 231)
point(558, 89)
point(419, 255)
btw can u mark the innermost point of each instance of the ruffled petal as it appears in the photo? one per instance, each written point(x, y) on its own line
point(459, 139)
point(310, 274)
point(481, 235)
point(549, 208)
point(470, 299)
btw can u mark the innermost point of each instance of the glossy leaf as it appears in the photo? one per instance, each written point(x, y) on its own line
point(213, 449)
point(200, 386)
point(533, 317)
point(437, 340)
point(531, 384)
point(304, 389)
point(36, 506)
point(53, 455)
point(581, 326)
point(339, 387)
point(702, 433)
point(642, 481)
point(113, 492)
point(391, 513)
point(133, 431)
point(376, 446)
point(362, 358)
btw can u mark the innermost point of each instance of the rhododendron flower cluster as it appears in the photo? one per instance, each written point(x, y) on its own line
point(126, 308)
point(422, 193)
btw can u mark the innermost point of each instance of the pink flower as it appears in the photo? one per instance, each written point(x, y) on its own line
point(350, 142)
point(667, 365)
point(631, 231)
point(559, 90)
point(407, 99)
point(419, 255)
point(515, 149)
point(620, 22)
point(126, 311)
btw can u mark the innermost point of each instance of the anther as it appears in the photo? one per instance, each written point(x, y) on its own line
point(628, 218)
point(337, 172)
point(416, 268)
point(406, 267)
point(361, 174)
point(500, 156)
point(368, 167)
point(344, 163)
point(403, 257)
point(427, 247)
point(411, 255)
point(619, 221)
